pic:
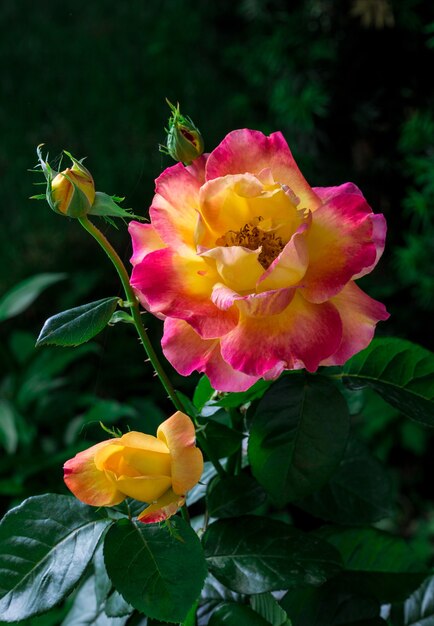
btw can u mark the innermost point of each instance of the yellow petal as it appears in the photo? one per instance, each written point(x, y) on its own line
point(238, 267)
point(148, 462)
point(133, 439)
point(143, 488)
point(187, 462)
point(87, 482)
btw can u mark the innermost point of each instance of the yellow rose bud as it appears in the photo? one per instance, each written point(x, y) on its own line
point(184, 142)
point(157, 470)
point(72, 191)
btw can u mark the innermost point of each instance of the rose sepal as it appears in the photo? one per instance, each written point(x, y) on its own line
point(106, 206)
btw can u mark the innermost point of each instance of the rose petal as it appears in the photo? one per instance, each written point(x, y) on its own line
point(174, 209)
point(178, 434)
point(87, 483)
point(327, 193)
point(143, 488)
point(238, 267)
point(359, 314)
point(289, 267)
point(303, 333)
point(145, 239)
point(250, 151)
point(197, 168)
point(162, 509)
point(142, 441)
point(340, 245)
point(147, 462)
point(227, 204)
point(256, 304)
point(187, 352)
point(181, 287)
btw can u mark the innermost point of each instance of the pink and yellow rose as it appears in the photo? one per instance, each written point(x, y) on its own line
point(157, 470)
point(252, 269)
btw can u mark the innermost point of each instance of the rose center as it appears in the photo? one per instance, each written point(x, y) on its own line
point(252, 237)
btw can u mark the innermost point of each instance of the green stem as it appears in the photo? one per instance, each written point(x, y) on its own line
point(134, 308)
point(135, 313)
point(185, 514)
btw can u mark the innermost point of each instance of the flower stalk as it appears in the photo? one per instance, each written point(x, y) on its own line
point(141, 331)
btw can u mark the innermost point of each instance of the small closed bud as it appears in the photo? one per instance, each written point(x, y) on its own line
point(70, 192)
point(184, 142)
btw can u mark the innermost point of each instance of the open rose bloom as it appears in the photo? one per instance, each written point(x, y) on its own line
point(157, 470)
point(252, 269)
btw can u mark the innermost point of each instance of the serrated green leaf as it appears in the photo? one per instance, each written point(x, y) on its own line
point(375, 563)
point(160, 572)
point(20, 297)
point(102, 583)
point(298, 436)
point(234, 495)
point(231, 614)
point(418, 609)
point(46, 544)
point(213, 594)
point(234, 400)
point(86, 612)
point(401, 372)
point(253, 554)
point(328, 605)
point(203, 392)
point(190, 620)
point(268, 607)
point(78, 325)
point(116, 606)
point(223, 440)
point(121, 317)
point(359, 492)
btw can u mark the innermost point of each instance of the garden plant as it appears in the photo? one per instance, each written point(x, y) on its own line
point(255, 501)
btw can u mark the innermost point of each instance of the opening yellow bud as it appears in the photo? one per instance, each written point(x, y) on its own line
point(73, 192)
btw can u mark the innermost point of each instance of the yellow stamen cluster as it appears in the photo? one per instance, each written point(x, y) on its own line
point(252, 237)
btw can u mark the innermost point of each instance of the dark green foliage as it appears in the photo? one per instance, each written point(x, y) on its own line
point(401, 372)
point(328, 605)
point(359, 492)
point(159, 569)
point(234, 495)
point(45, 546)
point(266, 605)
point(375, 563)
point(21, 296)
point(224, 440)
point(236, 614)
point(418, 609)
point(255, 554)
point(78, 325)
point(298, 436)
point(85, 610)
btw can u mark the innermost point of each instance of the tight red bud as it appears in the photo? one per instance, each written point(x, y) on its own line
point(184, 142)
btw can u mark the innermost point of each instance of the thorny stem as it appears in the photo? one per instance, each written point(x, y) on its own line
point(152, 356)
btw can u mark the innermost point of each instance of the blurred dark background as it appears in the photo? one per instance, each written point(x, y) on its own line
point(348, 82)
